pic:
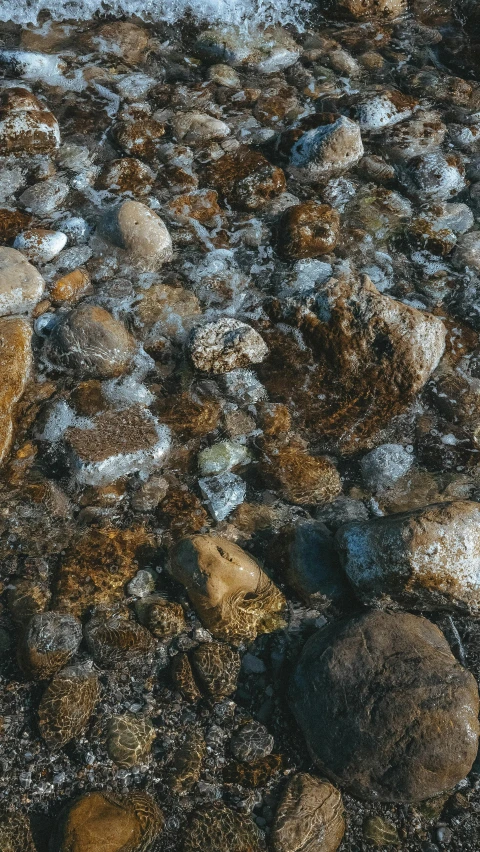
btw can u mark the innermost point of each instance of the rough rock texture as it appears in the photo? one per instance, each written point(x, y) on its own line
point(26, 125)
point(67, 704)
point(232, 595)
point(15, 833)
point(366, 357)
point(308, 230)
point(49, 641)
point(265, 51)
point(225, 345)
point(21, 286)
point(309, 816)
point(16, 360)
point(113, 639)
point(245, 179)
point(301, 478)
point(426, 559)
point(364, 9)
point(218, 827)
point(385, 708)
point(325, 151)
point(89, 342)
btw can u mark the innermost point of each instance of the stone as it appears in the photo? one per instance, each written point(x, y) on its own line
point(129, 740)
point(181, 513)
point(253, 775)
point(218, 827)
point(160, 616)
point(202, 206)
point(16, 360)
point(183, 678)
point(301, 478)
point(117, 822)
point(21, 286)
point(116, 444)
point(138, 230)
point(383, 466)
point(379, 832)
point(379, 211)
point(224, 345)
point(90, 343)
point(198, 127)
point(26, 125)
point(233, 597)
point(245, 179)
point(305, 555)
point(224, 75)
point(357, 345)
point(140, 137)
point(113, 639)
point(415, 137)
point(40, 245)
point(142, 585)
point(12, 221)
point(15, 833)
point(309, 816)
point(467, 252)
point(149, 494)
point(71, 287)
point(45, 197)
point(187, 761)
point(243, 387)
point(222, 457)
point(168, 310)
point(435, 176)
point(407, 728)
point(364, 9)
point(223, 493)
point(385, 110)
point(119, 39)
point(308, 230)
point(216, 667)
point(48, 643)
point(329, 149)
point(127, 175)
point(340, 511)
point(251, 742)
point(265, 51)
point(96, 566)
point(425, 559)
point(67, 704)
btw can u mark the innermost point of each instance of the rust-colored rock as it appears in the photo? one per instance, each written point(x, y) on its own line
point(16, 360)
point(26, 125)
point(245, 179)
point(308, 230)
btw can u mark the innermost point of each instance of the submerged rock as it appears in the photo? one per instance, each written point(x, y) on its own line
point(16, 359)
point(308, 230)
point(113, 639)
point(49, 641)
point(129, 740)
point(306, 556)
point(137, 229)
point(251, 742)
point(408, 726)
point(21, 286)
point(245, 179)
point(309, 816)
point(162, 617)
point(67, 704)
point(264, 51)
point(26, 125)
point(187, 761)
point(220, 828)
point(225, 345)
point(216, 667)
point(89, 342)
point(326, 150)
point(232, 595)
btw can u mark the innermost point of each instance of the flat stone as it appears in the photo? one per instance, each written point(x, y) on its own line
point(309, 816)
point(45, 197)
point(384, 465)
point(21, 285)
point(386, 710)
point(49, 641)
point(26, 125)
point(219, 828)
point(192, 127)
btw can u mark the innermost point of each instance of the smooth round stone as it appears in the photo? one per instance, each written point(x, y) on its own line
point(21, 285)
point(139, 230)
point(45, 197)
point(129, 739)
point(48, 643)
point(40, 245)
point(385, 708)
point(309, 817)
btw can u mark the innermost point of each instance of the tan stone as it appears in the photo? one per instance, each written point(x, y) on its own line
point(309, 817)
point(16, 360)
point(361, 9)
point(143, 234)
point(169, 306)
point(121, 39)
point(71, 287)
point(21, 286)
point(26, 125)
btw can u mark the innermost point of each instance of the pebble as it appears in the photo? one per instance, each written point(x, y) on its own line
point(129, 740)
point(265, 51)
point(218, 828)
point(379, 832)
point(309, 816)
point(48, 643)
point(301, 478)
point(251, 742)
point(40, 245)
point(221, 457)
point(385, 110)
point(224, 345)
point(46, 197)
point(232, 595)
point(187, 761)
point(141, 233)
point(223, 493)
point(67, 704)
point(26, 125)
point(467, 253)
point(428, 706)
point(21, 285)
point(162, 617)
point(245, 179)
point(198, 127)
point(326, 151)
point(383, 466)
point(113, 639)
point(16, 358)
point(308, 230)
point(216, 667)
point(364, 9)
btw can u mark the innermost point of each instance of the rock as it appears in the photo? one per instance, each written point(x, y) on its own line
point(187, 761)
point(385, 110)
point(139, 230)
point(113, 639)
point(50, 640)
point(379, 211)
point(425, 559)
point(45, 197)
point(245, 179)
point(26, 125)
point(326, 150)
point(198, 127)
point(232, 595)
point(169, 310)
point(383, 466)
point(149, 494)
point(385, 708)
point(218, 828)
point(67, 704)
point(12, 221)
point(116, 444)
point(216, 667)
point(162, 617)
point(90, 343)
point(16, 359)
point(309, 816)
point(379, 832)
point(253, 775)
point(183, 678)
point(223, 493)
point(358, 345)
point(40, 245)
point(181, 513)
point(225, 344)
point(140, 137)
point(364, 9)
point(467, 252)
point(71, 287)
point(120, 39)
point(224, 75)
point(202, 206)
point(251, 742)
point(264, 51)
point(435, 176)
point(222, 456)
point(129, 740)
point(142, 585)
point(415, 137)
point(308, 230)
point(21, 286)
point(301, 478)
point(15, 833)
point(126, 175)
point(118, 823)
point(243, 387)
point(341, 511)
point(252, 664)
point(97, 565)
point(305, 554)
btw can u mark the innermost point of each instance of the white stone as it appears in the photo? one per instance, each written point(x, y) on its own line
point(21, 285)
point(327, 151)
point(39, 245)
point(225, 345)
point(384, 465)
point(223, 493)
point(45, 197)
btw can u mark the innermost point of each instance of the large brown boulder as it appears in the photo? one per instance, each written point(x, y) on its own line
point(386, 709)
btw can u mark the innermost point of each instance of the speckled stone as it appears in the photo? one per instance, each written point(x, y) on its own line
point(89, 342)
point(251, 742)
point(216, 667)
point(49, 641)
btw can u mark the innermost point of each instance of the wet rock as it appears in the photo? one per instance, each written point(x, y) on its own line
point(216, 667)
point(435, 176)
point(218, 827)
point(364, 9)
point(140, 137)
point(113, 639)
point(171, 310)
point(40, 245)
point(301, 478)
point(245, 179)
point(120, 39)
point(467, 252)
point(184, 679)
point(126, 175)
point(45, 197)
point(325, 151)
point(16, 359)
point(21, 286)
point(26, 125)
point(129, 740)
point(15, 833)
point(160, 616)
point(389, 560)
point(251, 742)
point(232, 595)
point(379, 832)
point(181, 513)
point(142, 585)
point(385, 110)
point(308, 230)
point(117, 822)
point(71, 287)
point(12, 221)
point(415, 137)
point(222, 457)
point(48, 643)
point(138, 230)
point(187, 761)
point(225, 344)
point(222, 493)
point(194, 127)
point(309, 816)
point(67, 705)
point(384, 465)
point(259, 773)
point(380, 211)
point(96, 567)
point(201, 205)
point(264, 51)
point(118, 443)
point(224, 75)
point(304, 552)
point(341, 511)
point(90, 343)
point(149, 494)
point(408, 729)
